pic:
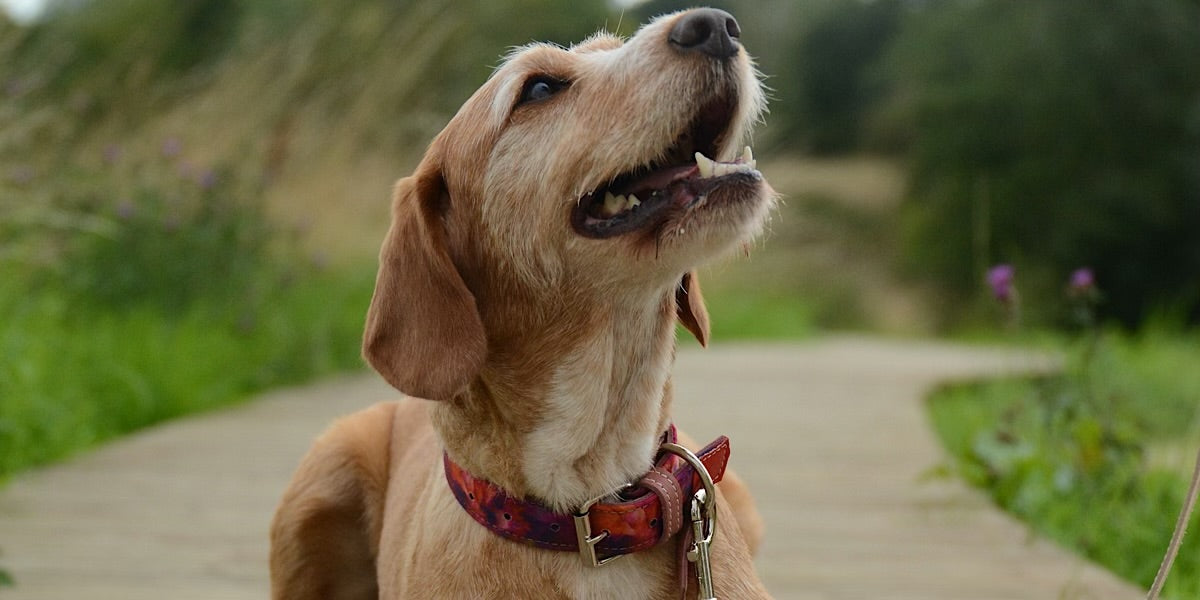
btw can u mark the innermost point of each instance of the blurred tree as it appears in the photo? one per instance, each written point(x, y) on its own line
point(1056, 135)
point(830, 74)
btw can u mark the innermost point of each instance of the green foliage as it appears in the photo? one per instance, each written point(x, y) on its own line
point(77, 376)
point(170, 249)
point(93, 48)
point(829, 80)
point(737, 314)
point(1054, 135)
point(1068, 454)
point(141, 292)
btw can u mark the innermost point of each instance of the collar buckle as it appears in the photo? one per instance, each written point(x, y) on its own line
point(583, 532)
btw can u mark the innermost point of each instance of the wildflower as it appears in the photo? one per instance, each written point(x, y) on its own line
point(207, 179)
point(112, 153)
point(1082, 282)
point(1000, 279)
point(1084, 297)
point(171, 147)
point(15, 87)
point(22, 175)
point(320, 260)
point(125, 210)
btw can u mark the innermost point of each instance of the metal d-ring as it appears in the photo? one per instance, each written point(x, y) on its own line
point(709, 502)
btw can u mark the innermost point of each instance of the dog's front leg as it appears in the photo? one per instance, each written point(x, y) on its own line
point(325, 534)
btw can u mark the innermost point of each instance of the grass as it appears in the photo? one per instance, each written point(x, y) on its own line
point(1069, 454)
point(72, 379)
point(750, 315)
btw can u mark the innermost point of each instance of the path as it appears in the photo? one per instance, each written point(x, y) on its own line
point(831, 435)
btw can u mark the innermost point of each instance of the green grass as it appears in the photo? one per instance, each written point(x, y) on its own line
point(72, 378)
point(748, 314)
point(1068, 454)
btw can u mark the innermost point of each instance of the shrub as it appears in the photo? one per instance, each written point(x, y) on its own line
point(137, 292)
point(1068, 454)
point(828, 80)
point(171, 247)
point(1053, 134)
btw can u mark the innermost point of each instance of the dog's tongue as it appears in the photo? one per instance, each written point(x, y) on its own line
point(661, 178)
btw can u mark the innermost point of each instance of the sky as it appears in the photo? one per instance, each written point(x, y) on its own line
point(22, 11)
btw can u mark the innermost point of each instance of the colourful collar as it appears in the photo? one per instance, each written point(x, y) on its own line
point(648, 513)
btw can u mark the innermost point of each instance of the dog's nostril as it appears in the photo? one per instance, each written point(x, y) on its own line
point(732, 28)
point(691, 32)
point(707, 30)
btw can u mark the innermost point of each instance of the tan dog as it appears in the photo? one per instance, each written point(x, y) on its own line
point(537, 264)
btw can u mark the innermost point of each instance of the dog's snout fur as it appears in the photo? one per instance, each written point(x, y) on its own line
point(539, 259)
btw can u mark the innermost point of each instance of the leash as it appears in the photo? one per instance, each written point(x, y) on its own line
point(1185, 513)
point(703, 512)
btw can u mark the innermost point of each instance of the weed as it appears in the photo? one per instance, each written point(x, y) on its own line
point(139, 292)
point(1068, 453)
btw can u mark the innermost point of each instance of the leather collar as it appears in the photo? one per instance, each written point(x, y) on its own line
point(650, 512)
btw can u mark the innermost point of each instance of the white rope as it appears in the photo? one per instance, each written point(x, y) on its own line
point(1177, 537)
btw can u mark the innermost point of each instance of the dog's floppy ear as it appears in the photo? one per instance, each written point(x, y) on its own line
point(689, 307)
point(423, 331)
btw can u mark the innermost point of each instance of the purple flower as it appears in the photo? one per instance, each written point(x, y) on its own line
point(112, 153)
point(15, 87)
point(126, 210)
point(1000, 279)
point(320, 260)
point(171, 147)
point(22, 175)
point(207, 179)
point(1082, 280)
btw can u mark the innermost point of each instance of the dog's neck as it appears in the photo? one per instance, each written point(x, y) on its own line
point(571, 404)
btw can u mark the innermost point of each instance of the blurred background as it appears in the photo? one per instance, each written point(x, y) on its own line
point(192, 194)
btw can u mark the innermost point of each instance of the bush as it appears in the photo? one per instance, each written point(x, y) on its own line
point(829, 80)
point(1068, 454)
point(1051, 135)
point(169, 249)
point(134, 293)
point(79, 376)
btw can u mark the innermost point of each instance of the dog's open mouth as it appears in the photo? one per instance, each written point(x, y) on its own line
point(645, 197)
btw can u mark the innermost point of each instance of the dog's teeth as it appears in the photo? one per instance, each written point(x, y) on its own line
point(706, 165)
point(748, 156)
point(613, 204)
point(633, 201)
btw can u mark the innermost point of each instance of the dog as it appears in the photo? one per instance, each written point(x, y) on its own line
point(538, 261)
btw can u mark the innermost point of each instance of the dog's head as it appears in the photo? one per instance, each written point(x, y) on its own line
point(601, 173)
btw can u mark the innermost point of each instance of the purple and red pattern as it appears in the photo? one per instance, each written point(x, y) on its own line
point(632, 525)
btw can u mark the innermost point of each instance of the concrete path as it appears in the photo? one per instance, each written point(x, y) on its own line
point(831, 435)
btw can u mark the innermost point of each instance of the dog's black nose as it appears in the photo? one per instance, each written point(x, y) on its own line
point(708, 30)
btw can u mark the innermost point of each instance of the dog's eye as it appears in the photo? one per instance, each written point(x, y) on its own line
point(540, 88)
